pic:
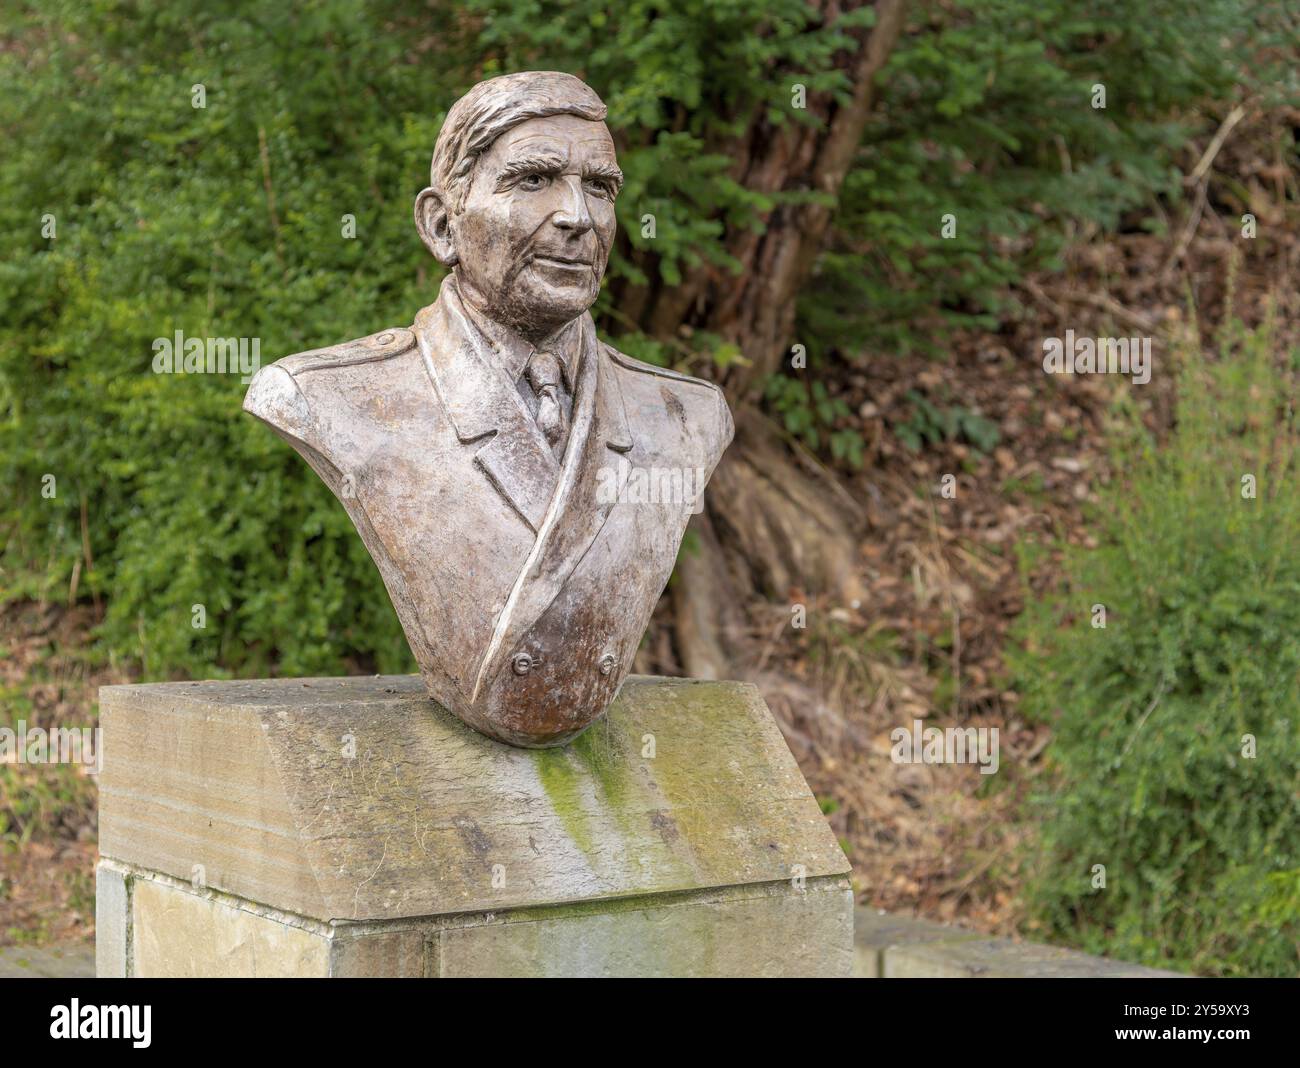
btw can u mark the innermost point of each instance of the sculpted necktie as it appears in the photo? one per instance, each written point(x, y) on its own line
point(544, 376)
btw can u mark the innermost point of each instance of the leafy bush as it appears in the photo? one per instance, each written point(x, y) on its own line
point(986, 120)
point(986, 156)
point(1154, 716)
point(223, 221)
point(810, 414)
point(929, 424)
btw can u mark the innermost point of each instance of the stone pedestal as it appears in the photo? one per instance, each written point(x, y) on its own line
point(351, 827)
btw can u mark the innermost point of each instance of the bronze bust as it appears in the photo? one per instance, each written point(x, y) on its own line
point(485, 453)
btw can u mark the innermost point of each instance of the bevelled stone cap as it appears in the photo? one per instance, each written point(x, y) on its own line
point(361, 799)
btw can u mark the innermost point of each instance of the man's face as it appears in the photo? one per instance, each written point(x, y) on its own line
point(534, 231)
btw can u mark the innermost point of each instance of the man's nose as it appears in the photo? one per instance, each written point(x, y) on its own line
point(572, 213)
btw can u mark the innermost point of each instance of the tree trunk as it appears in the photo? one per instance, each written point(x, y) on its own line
point(756, 310)
point(776, 524)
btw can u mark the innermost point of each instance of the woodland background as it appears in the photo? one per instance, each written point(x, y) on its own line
point(1171, 213)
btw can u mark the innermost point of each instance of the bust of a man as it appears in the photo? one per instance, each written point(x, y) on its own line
point(522, 486)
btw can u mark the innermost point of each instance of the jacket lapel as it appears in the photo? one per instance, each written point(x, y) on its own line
point(482, 403)
point(593, 473)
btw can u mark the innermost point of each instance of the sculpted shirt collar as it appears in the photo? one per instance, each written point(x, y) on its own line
point(514, 352)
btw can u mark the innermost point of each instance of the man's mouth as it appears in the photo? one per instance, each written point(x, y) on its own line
point(558, 260)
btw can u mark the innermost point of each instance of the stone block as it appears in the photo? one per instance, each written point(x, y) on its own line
point(179, 932)
point(900, 947)
point(876, 932)
point(73, 960)
point(112, 921)
point(352, 827)
point(999, 958)
point(746, 931)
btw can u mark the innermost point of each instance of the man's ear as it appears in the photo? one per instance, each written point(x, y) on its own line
point(434, 226)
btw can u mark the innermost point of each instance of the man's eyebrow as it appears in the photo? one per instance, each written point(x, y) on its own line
point(604, 170)
point(532, 162)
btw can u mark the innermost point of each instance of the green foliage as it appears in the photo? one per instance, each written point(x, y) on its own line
point(39, 798)
point(36, 800)
point(986, 155)
point(929, 424)
point(811, 415)
point(1150, 715)
point(222, 221)
point(986, 116)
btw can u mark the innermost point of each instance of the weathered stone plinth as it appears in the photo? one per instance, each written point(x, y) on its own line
point(345, 827)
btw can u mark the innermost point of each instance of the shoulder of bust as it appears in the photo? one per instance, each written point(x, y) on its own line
point(641, 367)
point(379, 346)
point(276, 393)
point(685, 385)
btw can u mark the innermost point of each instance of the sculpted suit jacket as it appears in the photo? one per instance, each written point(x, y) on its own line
point(523, 583)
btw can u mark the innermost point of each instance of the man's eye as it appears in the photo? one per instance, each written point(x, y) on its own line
point(532, 182)
point(601, 187)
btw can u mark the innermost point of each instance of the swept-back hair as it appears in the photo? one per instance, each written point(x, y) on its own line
point(490, 109)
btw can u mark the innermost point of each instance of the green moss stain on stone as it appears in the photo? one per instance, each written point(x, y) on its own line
point(681, 815)
point(591, 786)
point(562, 781)
point(713, 710)
point(604, 752)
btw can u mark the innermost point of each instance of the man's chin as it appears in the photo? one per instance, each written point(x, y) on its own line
point(558, 300)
